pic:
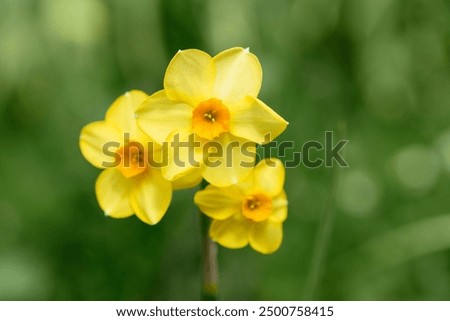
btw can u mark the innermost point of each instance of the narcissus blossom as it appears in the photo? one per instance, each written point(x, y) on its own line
point(128, 184)
point(211, 99)
point(250, 212)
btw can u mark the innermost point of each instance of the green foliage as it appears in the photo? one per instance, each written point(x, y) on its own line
point(378, 69)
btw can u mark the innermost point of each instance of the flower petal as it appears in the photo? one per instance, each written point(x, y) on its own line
point(158, 116)
point(183, 155)
point(231, 232)
point(122, 114)
point(268, 176)
point(94, 138)
point(189, 77)
point(151, 197)
point(219, 203)
point(113, 190)
point(233, 163)
point(279, 208)
point(190, 180)
point(254, 120)
point(239, 74)
point(266, 237)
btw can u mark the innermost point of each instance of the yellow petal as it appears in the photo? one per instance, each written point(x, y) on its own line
point(254, 120)
point(189, 77)
point(158, 116)
point(232, 164)
point(113, 193)
point(279, 208)
point(122, 113)
point(268, 176)
point(239, 74)
point(219, 203)
point(183, 155)
point(98, 143)
point(231, 233)
point(151, 197)
point(190, 180)
point(266, 237)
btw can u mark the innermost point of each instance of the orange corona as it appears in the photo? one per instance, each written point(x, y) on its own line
point(257, 207)
point(210, 119)
point(132, 159)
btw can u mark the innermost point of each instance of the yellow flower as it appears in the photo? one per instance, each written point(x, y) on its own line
point(128, 183)
point(251, 211)
point(215, 100)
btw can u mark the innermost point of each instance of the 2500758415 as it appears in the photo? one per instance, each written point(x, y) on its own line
point(300, 311)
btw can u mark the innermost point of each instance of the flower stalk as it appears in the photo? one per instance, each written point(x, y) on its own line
point(210, 267)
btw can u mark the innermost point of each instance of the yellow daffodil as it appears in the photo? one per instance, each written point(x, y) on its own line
point(128, 183)
point(251, 211)
point(211, 100)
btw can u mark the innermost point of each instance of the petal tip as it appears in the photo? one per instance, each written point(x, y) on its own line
point(247, 50)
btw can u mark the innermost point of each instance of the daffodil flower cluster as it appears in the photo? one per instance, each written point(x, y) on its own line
point(206, 102)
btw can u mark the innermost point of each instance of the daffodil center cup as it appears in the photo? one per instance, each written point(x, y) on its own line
point(210, 119)
point(132, 159)
point(257, 207)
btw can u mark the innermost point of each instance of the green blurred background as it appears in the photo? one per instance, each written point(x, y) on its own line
point(375, 72)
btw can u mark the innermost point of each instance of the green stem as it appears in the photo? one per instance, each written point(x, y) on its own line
point(321, 246)
point(210, 267)
point(324, 234)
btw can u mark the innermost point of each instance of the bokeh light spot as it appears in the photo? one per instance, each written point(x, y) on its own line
point(417, 167)
point(83, 22)
point(443, 147)
point(22, 276)
point(359, 193)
